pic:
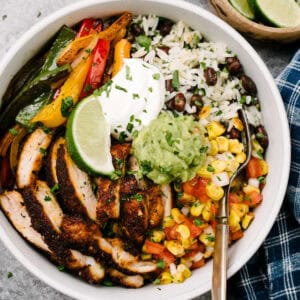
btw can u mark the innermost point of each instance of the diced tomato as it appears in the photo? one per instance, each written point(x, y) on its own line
point(194, 229)
point(154, 248)
point(213, 223)
point(214, 211)
point(236, 235)
point(198, 264)
point(197, 188)
point(254, 169)
point(197, 246)
point(167, 256)
point(171, 233)
point(234, 198)
point(253, 198)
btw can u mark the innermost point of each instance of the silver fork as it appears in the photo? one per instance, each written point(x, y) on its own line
point(219, 279)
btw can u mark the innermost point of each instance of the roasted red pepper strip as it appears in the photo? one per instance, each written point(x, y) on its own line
point(95, 74)
point(89, 26)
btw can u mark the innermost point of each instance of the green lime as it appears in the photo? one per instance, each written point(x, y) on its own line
point(88, 137)
point(280, 13)
point(244, 8)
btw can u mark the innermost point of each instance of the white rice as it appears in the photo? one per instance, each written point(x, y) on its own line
point(190, 55)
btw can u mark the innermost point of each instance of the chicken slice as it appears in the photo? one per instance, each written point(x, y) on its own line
point(13, 206)
point(31, 157)
point(51, 162)
point(119, 153)
point(167, 199)
point(75, 186)
point(155, 204)
point(108, 205)
point(43, 208)
point(133, 281)
point(90, 269)
point(135, 217)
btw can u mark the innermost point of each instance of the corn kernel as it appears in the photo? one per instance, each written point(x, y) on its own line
point(234, 221)
point(235, 146)
point(223, 143)
point(240, 157)
point(146, 256)
point(207, 240)
point(174, 247)
point(229, 173)
point(215, 129)
point(177, 215)
point(214, 192)
point(218, 165)
point(206, 213)
point(205, 112)
point(186, 261)
point(187, 243)
point(247, 189)
point(183, 231)
point(168, 222)
point(257, 149)
point(240, 208)
point(157, 236)
point(196, 209)
point(185, 270)
point(238, 124)
point(247, 220)
point(165, 277)
point(202, 172)
point(231, 165)
point(213, 147)
point(264, 167)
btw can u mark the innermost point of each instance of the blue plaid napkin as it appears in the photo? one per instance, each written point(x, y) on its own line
point(274, 271)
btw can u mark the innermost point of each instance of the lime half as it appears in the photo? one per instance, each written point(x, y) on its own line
point(244, 8)
point(88, 137)
point(281, 13)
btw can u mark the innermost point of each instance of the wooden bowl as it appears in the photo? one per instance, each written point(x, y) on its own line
point(252, 29)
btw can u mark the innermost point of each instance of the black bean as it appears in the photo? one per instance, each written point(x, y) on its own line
point(249, 85)
point(262, 136)
point(136, 29)
point(196, 100)
point(169, 86)
point(165, 26)
point(210, 76)
point(234, 66)
point(171, 104)
point(234, 133)
point(179, 102)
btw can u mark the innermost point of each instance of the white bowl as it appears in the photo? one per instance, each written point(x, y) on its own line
point(278, 155)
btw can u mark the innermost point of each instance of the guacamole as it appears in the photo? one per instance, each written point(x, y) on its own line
point(171, 148)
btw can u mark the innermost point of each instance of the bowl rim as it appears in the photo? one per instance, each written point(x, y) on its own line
point(202, 13)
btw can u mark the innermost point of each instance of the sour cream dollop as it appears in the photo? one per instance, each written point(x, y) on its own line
point(133, 98)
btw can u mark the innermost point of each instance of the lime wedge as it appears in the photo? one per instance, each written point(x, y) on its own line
point(88, 138)
point(244, 8)
point(281, 13)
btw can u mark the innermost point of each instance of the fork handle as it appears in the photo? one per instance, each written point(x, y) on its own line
point(219, 282)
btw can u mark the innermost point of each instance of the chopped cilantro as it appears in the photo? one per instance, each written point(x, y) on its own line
point(137, 197)
point(210, 238)
point(144, 41)
point(160, 264)
point(88, 88)
point(260, 154)
point(135, 133)
point(175, 80)
point(129, 127)
point(261, 179)
point(61, 268)
point(203, 149)
point(150, 89)
point(104, 88)
point(243, 99)
point(10, 275)
point(47, 198)
point(169, 138)
point(13, 131)
point(259, 135)
point(131, 118)
point(219, 112)
point(43, 151)
point(128, 73)
point(198, 222)
point(54, 188)
point(156, 76)
point(107, 282)
point(145, 111)
point(88, 50)
point(135, 96)
point(210, 168)
point(156, 281)
point(146, 166)
point(118, 87)
point(122, 137)
point(66, 105)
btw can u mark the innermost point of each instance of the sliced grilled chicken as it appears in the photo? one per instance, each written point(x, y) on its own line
point(135, 217)
point(31, 157)
point(75, 186)
point(129, 185)
point(134, 167)
point(167, 199)
point(119, 153)
point(133, 281)
point(13, 206)
point(44, 210)
point(89, 268)
point(155, 204)
point(51, 162)
point(108, 206)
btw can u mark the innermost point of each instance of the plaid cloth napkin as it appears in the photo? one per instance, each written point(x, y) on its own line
point(274, 271)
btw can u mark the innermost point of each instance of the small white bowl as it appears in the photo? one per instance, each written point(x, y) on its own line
point(278, 155)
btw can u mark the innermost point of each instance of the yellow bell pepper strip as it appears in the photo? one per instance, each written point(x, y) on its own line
point(122, 50)
point(51, 115)
point(71, 51)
